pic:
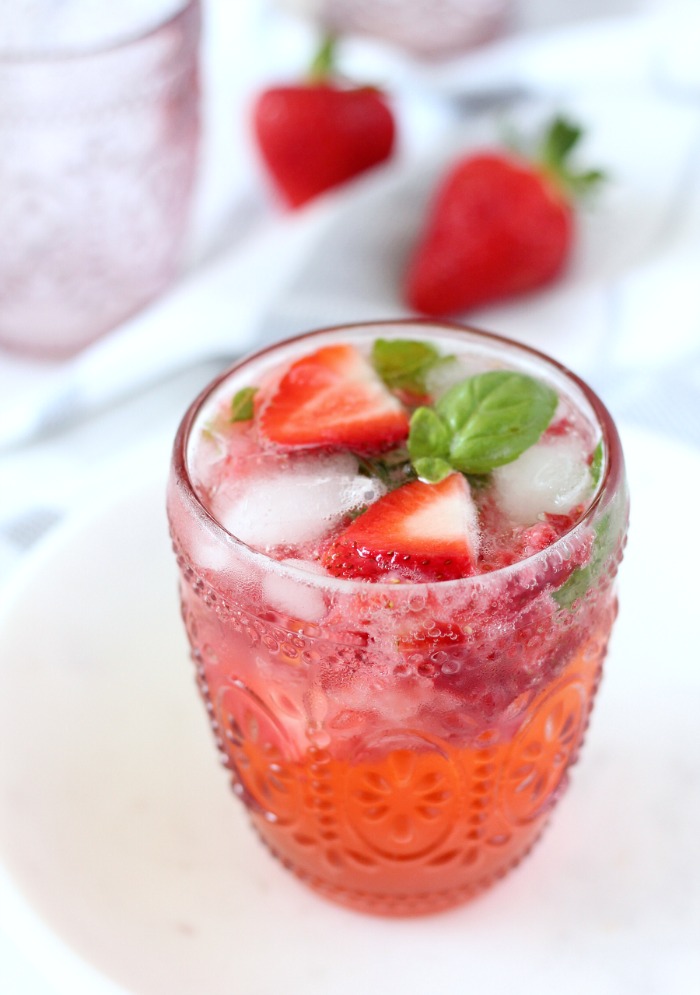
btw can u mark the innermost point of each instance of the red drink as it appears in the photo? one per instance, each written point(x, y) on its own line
point(398, 716)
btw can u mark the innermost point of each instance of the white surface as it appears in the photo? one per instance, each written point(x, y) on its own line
point(637, 311)
point(121, 831)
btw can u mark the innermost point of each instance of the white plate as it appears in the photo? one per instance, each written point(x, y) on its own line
point(124, 840)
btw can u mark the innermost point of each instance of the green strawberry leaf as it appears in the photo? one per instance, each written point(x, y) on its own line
point(559, 141)
point(561, 137)
point(242, 404)
point(322, 66)
point(492, 418)
point(403, 363)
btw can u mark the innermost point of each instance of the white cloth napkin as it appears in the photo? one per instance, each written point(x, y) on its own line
point(342, 259)
point(626, 316)
point(212, 313)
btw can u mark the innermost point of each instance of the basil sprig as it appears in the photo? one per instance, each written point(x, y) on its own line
point(482, 422)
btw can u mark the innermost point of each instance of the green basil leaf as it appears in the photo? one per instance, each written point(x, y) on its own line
point(428, 436)
point(575, 587)
point(403, 363)
point(494, 417)
point(242, 404)
point(597, 464)
point(478, 481)
point(392, 468)
point(583, 578)
point(432, 469)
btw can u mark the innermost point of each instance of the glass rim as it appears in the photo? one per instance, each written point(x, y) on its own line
point(611, 477)
point(66, 54)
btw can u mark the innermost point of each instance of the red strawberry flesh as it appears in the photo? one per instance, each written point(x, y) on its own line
point(498, 227)
point(317, 136)
point(418, 532)
point(333, 398)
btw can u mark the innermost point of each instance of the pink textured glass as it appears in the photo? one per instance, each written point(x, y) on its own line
point(98, 152)
point(400, 747)
point(427, 28)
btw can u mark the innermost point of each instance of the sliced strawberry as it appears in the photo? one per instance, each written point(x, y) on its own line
point(420, 532)
point(333, 398)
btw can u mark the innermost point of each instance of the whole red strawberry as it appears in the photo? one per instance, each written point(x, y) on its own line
point(500, 225)
point(316, 135)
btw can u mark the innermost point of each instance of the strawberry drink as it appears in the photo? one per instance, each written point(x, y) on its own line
point(397, 545)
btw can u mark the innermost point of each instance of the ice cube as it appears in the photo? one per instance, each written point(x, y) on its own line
point(288, 594)
point(444, 375)
point(210, 553)
point(292, 501)
point(451, 371)
point(551, 477)
point(360, 491)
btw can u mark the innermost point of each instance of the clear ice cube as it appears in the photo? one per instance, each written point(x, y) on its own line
point(288, 594)
point(292, 501)
point(551, 477)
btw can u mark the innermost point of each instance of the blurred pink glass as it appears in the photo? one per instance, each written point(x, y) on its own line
point(99, 128)
point(426, 28)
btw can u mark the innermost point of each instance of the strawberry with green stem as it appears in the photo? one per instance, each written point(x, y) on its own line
point(317, 134)
point(500, 225)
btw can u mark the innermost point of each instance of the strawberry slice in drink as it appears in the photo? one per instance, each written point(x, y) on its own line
point(418, 532)
point(333, 398)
